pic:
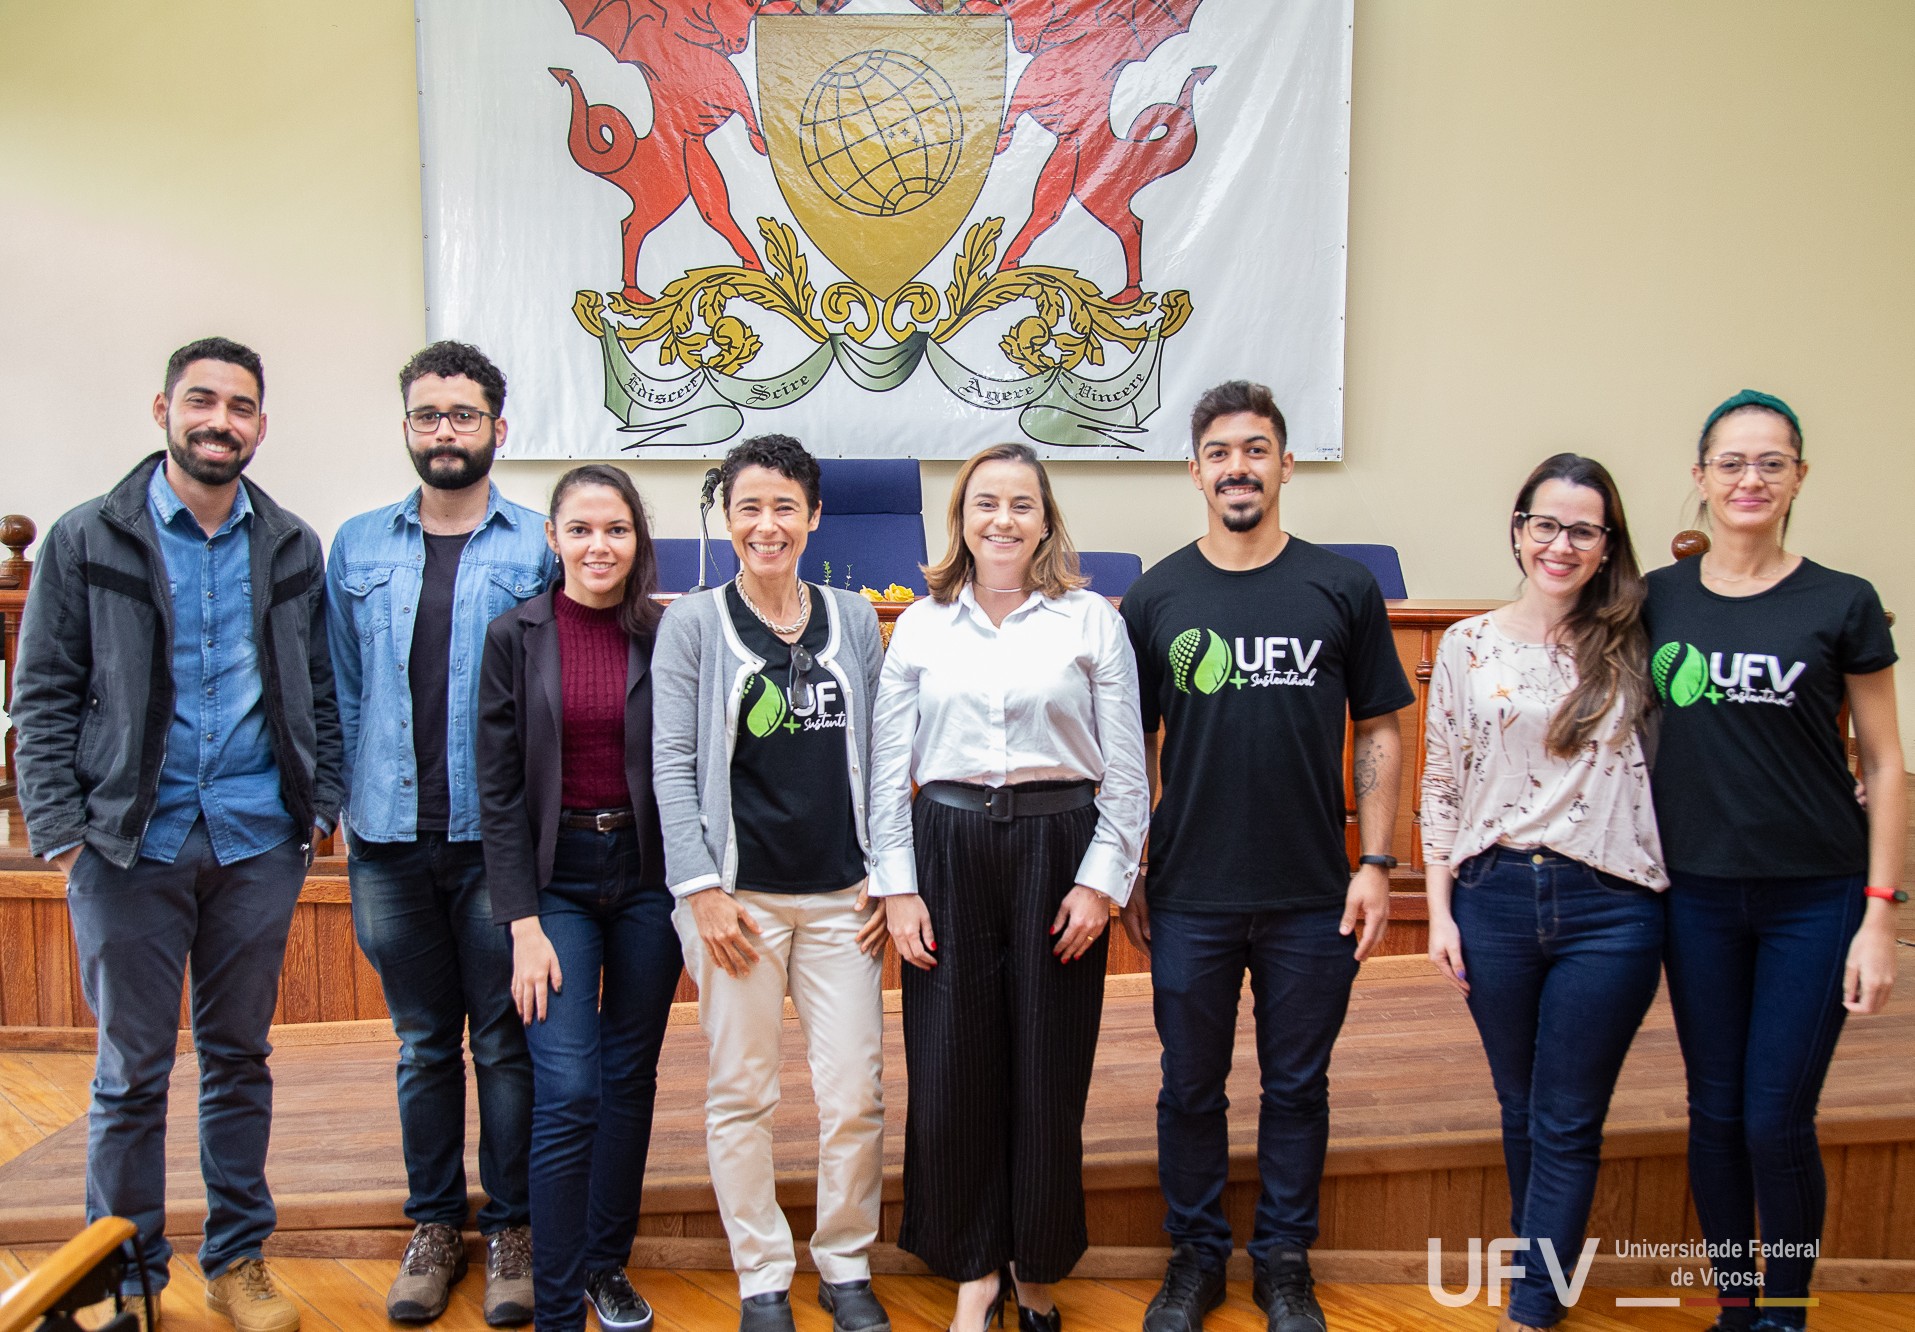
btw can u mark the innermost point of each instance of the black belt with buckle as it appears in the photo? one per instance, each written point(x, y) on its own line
point(597, 820)
point(1001, 804)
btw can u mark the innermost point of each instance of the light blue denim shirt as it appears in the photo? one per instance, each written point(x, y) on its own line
point(219, 759)
point(373, 580)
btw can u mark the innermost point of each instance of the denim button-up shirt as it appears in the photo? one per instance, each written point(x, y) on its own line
point(219, 759)
point(373, 581)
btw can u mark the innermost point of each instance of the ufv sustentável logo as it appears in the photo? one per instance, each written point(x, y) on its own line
point(768, 710)
point(1202, 662)
point(1683, 676)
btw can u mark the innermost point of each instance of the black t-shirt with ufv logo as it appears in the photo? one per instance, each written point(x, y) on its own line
point(791, 774)
point(1751, 777)
point(1253, 674)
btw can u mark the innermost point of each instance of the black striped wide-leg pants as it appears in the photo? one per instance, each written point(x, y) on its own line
point(999, 1038)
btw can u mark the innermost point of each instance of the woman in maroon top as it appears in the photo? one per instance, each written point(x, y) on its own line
point(576, 868)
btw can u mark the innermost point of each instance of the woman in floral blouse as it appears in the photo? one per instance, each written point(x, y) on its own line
point(1544, 868)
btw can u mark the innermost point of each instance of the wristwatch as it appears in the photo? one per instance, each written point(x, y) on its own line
point(1387, 862)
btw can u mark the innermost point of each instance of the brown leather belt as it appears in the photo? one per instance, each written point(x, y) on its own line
point(1001, 804)
point(597, 820)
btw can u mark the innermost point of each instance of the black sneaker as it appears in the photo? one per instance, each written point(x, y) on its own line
point(769, 1312)
point(1190, 1290)
point(1286, 1292)
point(853, 1307)
point(618, 1306)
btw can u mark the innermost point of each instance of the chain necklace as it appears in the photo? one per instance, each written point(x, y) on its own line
point(781, 630)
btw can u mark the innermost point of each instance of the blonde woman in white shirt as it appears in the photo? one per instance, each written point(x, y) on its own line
point(1544, 868)
point(1010, 697)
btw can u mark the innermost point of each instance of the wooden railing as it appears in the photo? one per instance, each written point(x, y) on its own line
point(16, 575)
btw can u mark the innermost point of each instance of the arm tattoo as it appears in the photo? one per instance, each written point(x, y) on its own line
point(1364, 769)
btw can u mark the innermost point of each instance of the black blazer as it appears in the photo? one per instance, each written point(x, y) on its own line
point(520, 719)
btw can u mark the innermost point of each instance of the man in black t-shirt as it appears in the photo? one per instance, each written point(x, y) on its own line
point(1253, 647)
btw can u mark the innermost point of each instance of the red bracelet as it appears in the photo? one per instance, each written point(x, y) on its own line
point(1886, 894)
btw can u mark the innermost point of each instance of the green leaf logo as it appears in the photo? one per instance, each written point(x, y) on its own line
point(1198, 659)
point(768, 711)
point(1680, 673)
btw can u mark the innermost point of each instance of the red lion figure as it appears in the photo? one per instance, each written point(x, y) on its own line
point(681, 46)
point(1078, 48)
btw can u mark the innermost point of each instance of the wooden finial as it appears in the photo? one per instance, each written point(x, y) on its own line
point(17, 532)
point(1689, 543)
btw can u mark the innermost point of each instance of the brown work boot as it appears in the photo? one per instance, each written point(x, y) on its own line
point(508, 1277)
point(433, 1264)
point(99, 1315)
point(245, 1293)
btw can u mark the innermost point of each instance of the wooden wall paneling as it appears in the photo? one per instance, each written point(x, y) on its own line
point(1859, 1229)
point(1362, 1209)
point(1408, 1210)
point(1612, 1214)
point(1661, 1203)
point(299, 977)
point(1456, 1207)
point(61, 1004)
point(20, 976)
point(337, 978)
point(1899, 1242)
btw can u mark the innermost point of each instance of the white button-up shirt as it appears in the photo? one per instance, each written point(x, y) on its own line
point(1049, 695)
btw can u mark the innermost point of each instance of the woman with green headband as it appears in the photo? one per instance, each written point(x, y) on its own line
point(1782, 886)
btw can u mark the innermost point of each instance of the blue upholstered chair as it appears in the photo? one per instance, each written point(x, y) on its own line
point(678, 561)
point(1381, 561)
point(1111, 571)
point(872, 533)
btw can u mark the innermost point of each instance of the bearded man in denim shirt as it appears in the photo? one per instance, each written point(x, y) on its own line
point(410, 590)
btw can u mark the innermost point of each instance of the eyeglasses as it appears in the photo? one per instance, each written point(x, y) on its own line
point(1770, 466)
point(800, 693)
point(1543, 529)
point(465, 420)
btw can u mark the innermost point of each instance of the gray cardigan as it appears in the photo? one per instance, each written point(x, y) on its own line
point(699, 670)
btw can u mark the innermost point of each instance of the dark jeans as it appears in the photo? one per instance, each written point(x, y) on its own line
point(424, 921)
point(595, 1064)
point(135, 930)
point(1301, 970)
point(1755, 978)
point(1562, 962)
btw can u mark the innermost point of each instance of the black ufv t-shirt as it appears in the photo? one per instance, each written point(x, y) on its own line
point(1751, 777)
point(791, 774)
point(428, 671)
point(1253, 674)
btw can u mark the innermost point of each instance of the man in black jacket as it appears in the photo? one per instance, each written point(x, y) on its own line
point(177, 744)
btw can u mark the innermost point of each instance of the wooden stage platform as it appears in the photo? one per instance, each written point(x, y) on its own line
point(1414, 1149)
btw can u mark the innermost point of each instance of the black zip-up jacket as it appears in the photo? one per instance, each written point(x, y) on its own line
point(93, 676)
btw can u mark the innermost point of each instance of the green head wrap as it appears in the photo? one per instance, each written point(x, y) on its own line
point(1749, 398)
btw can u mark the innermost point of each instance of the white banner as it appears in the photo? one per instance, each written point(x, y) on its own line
point(890, 228)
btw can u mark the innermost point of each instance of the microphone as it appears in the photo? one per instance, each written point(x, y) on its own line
point(709, 489)
point(705, 497)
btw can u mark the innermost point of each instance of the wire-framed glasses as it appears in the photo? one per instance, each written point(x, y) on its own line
point(465, 420)
point(1770, 466)
point(1542, 529)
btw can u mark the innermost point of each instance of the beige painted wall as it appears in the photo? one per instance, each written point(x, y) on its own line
point(1573, 225)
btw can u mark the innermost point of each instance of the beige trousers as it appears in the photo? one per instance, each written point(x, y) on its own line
point(808, 949)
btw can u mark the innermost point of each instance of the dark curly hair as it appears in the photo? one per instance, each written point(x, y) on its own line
point(778, 453)
point(215, 349)
point(448, 360)
point(1231, 397)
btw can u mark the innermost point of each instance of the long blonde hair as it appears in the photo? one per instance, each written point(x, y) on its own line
point(1054, 568)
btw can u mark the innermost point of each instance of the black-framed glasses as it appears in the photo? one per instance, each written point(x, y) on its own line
point(465, 420)
point(1770, 466)
point(1542, 529)
point(800, 693)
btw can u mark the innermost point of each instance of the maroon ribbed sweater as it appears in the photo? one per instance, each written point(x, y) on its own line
point(592, 664)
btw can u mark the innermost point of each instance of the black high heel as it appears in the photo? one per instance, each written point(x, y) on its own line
point(994, 1312)
point(1030, 1320)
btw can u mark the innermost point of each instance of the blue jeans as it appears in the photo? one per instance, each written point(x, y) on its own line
point(1755, 978)
point(135, 930)
point(424, 921)
point(1301, 970)
point(595, 1064)
point(1562, 962)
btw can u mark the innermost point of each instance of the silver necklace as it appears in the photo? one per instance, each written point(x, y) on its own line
point(781, 630)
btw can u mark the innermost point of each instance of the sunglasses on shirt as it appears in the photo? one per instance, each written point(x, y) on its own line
point(800, 693)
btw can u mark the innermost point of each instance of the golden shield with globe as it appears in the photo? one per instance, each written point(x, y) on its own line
point(881, 131)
